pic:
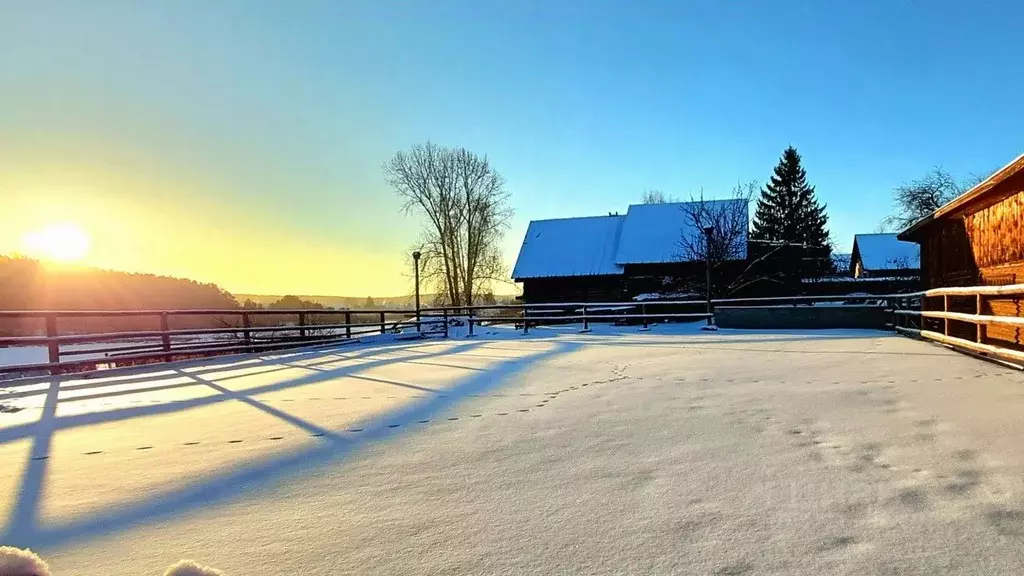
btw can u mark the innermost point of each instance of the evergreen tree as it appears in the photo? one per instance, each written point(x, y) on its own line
point(788, 211)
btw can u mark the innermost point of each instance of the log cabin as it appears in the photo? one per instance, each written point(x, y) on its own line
point(978, 239)
point(615, 257)
point(884, 255)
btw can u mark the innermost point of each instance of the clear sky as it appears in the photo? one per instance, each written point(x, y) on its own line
point(241, 142)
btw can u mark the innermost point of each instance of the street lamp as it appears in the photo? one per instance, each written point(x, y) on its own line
point(416, 268)
point(708, 230)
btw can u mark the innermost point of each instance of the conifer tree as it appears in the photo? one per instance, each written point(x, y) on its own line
point(788, 211)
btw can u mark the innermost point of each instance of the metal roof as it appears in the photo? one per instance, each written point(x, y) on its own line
point(979, 190)
point(652, 233)
point(569, 247)
point(886, 252)
point(601, 245)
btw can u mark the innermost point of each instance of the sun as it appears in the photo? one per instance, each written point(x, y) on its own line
point(64, 242)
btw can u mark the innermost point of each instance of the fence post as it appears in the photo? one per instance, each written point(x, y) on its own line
point(586, 324)
point(945, 321)
point(526, 322)
point(643, 313)
point(302, 325)
point(979, 307)
point(52, 346)
point(246, 334)
point(165, 338)
point(469, 315)
point(383, 328)
point(348, 324)
point(444, 313)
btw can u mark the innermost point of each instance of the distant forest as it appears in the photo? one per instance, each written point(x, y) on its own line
point(27, 284)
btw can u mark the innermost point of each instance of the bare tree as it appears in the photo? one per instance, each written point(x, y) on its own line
point(919, 198)
point(736, 260)
point(728, 225)
point(654, 196)
point(465, 205)
point(728, 221)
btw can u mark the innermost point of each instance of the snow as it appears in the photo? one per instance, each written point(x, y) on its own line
point(14, 355)
point(651, 233)
point(886, 252)
point(569, 247)
point(841, 262)
point(667, 296)
point(602, 245)
point(860, 280)
point(671, 451)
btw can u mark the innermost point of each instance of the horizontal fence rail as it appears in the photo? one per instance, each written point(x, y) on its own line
point(256, 331)
point(911, 319)
point(247, 332)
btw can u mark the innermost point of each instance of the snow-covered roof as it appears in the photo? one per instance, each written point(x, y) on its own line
point(886, 252)
point(569, 247)
point(841, 262)
point(651, 233)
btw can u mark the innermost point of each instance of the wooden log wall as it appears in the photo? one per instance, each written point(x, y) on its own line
point(997, 240)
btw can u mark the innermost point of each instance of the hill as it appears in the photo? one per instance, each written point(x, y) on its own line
point(355, 302)
point(27, 284)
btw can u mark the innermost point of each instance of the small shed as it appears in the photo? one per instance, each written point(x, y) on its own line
point(884, 256)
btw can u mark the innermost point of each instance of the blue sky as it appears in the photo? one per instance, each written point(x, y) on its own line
point(206, 138)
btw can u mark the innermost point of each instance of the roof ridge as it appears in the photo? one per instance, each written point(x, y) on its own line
point(688, 202)
point(579, 217)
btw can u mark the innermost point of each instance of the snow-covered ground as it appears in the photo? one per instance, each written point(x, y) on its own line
point(670, 451)
point(27, 355)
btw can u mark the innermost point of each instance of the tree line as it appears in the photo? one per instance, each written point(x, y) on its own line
point(27, 284)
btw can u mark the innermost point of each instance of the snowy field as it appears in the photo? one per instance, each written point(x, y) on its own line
point(833, 452)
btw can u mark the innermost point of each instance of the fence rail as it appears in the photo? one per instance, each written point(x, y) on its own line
point(910, 321)
point(65, 352)
point(165, 344)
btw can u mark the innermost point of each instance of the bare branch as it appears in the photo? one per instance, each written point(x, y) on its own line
point(654, 196)
point(920, 198)
point(465, 205)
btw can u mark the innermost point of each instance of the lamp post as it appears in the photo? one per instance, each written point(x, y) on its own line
point(708, 230)
point(416, 271)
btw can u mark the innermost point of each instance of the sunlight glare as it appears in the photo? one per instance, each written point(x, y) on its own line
point(63, 242)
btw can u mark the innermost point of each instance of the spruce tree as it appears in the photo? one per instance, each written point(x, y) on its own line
point(788, 211)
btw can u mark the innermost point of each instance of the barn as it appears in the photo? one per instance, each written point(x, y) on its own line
point(978, 239)
point(884, 256)
point(571, 260)
point(614, 257)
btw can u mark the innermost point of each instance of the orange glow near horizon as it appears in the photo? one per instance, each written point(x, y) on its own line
point(63, 242)
point(87, 216)
point(79, 216)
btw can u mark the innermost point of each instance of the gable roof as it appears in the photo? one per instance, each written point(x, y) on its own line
point(986, 188)
point(885, 252)
point(651, 233)
point(569, 247)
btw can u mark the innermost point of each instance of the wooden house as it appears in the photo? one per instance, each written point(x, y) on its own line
point(978, 239)
point(884, 256)
point(611, 258)
point(571, 260)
